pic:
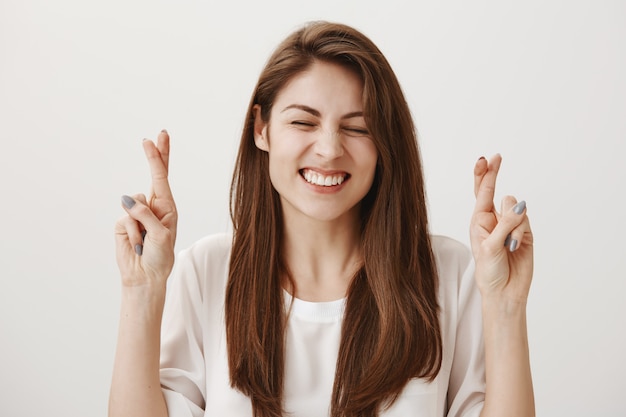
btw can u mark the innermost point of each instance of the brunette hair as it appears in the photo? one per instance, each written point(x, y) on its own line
point(390, 330)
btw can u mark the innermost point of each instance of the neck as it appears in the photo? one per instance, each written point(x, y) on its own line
point(321, 257)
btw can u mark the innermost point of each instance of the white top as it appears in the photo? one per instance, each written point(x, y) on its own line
point(194, 364)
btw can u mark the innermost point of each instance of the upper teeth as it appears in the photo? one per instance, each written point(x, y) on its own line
point(323, 180)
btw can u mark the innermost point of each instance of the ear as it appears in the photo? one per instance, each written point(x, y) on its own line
point(260, 130)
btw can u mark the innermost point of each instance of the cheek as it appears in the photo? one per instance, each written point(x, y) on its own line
point(282, 165)
point(368, 155)
point(274, 166)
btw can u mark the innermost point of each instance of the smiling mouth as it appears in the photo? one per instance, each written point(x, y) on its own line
point(316, 178)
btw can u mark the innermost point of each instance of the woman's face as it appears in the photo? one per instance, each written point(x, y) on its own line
point(321, 158)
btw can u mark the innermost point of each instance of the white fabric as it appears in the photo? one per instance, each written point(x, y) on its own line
point(194, 366)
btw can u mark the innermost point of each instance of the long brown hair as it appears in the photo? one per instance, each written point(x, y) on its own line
point(391, 316)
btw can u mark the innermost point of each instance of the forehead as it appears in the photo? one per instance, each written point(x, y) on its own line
point(324, 86)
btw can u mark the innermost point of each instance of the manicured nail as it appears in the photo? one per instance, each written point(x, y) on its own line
point(513, 245)
point(143, 235)
point(139, 249)
point(163, 130)
point(482, 157)
point(519, 207)
point(507, 241)
point(128, 201)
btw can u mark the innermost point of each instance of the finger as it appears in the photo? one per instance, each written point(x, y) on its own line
point(128, 232)
point(521, 234)
point(142, 214)
point(486, 186)
point(512, 238)
point(158, 171)
point(163, 145)
point(480, 168)
point(141, 198)
point(513, 225)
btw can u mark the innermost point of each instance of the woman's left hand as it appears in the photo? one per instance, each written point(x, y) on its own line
point(502, 242)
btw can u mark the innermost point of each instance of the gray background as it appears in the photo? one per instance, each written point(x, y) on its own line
point(81, 83)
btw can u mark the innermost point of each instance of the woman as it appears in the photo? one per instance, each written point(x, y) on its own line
point(330, 297)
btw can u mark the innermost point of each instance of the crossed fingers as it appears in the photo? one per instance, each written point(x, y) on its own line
point(508, 226)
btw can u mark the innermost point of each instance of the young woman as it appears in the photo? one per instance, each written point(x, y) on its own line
point(330, 297)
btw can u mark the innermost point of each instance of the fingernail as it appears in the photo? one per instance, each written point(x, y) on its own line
point(128, 201)
point(139, 249)
point(482, 157)
point(164, 130)
point(513, 245)
point(519, 207)
point(507, 240)
point(143, 235)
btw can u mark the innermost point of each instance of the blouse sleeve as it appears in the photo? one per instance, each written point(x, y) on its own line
point(182, 365)
point(466, 389)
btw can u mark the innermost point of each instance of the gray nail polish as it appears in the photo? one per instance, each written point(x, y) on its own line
point(507, 240)
point(139, 249)
point(519, 207)
point(513, 245)
point(128, 201)
point(143, 235)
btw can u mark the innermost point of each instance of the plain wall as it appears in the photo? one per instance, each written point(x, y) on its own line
point(82, 83)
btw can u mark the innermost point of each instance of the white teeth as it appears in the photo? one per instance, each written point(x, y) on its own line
point(322, 180)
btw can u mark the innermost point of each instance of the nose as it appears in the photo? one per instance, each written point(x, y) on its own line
point(329, 144)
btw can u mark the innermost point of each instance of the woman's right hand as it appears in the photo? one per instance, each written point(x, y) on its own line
point(145, 236)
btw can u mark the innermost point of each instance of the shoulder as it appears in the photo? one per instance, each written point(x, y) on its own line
point(449, 252)
point(211, 248)
point(205, 263)
point(455, 267)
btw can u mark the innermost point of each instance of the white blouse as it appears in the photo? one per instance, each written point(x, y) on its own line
point(194, 364)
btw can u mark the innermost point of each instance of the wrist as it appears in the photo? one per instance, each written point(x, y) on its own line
point(503, 307)
point(505, 327)
point(144, 302)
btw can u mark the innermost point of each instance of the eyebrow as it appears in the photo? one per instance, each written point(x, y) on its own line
point(316, 113)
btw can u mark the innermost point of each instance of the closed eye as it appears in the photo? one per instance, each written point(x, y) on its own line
point(356, 131)
point(302, 123)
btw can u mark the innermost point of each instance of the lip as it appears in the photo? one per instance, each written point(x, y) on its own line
point(324, 171)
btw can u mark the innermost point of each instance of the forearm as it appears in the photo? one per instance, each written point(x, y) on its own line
point(509, 390)
point(135, 388)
